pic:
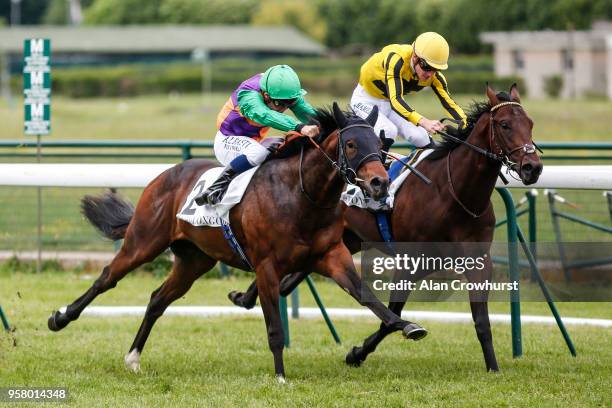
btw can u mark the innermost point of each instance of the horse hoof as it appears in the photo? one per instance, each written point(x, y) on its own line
point(57, 321)
point(281, 379)
point(132, 361)
point(414, 332)
point(234, 296)
point(351, 358)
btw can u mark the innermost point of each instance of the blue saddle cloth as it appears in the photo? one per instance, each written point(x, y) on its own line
point(396, 167)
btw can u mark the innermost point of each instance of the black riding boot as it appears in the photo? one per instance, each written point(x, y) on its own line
point(386, 145)
point(214, 194)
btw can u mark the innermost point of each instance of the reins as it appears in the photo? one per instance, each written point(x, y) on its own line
point(342, 165)
point(502, 158)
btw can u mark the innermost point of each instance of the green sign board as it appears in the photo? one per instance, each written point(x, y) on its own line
point(37, 86)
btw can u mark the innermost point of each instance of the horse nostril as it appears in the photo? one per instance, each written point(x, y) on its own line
point(527, 167)
point(538, 168)
point(376, 182)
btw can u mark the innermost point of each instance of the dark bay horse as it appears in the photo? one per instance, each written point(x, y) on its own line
point(290, 219)
point(456, 207)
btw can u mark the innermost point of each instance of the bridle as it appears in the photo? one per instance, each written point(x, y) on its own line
point(505, 157)
point(494, 153)
point(343, 166)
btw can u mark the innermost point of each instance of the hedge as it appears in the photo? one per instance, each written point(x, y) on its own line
point(336, 77)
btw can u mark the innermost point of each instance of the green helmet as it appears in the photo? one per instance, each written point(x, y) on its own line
point(281, 82)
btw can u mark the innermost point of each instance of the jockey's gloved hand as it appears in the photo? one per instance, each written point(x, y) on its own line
point(310, 130)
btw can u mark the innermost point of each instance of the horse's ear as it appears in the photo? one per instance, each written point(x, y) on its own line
point(492, 95)
point(514, 93)
point(373, 116)
point(339, 116)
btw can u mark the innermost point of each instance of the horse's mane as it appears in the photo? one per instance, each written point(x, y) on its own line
point(327, 123)
point(474, 112)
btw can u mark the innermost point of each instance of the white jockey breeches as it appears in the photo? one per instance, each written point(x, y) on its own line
point(227, 148)
point(388, 120)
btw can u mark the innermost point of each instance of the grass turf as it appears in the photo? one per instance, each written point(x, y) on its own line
point(225, 362)
point(174, 117)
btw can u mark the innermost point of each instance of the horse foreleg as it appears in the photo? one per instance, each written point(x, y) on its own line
point(358, 355)
point(480, 314)
point(267, 285)
point(188, 266)
point(338, 265)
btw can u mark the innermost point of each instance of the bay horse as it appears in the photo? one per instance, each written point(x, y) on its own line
point(456, 207)
point(289, 219)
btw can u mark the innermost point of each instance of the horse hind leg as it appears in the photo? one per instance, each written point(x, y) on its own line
point(189, 264)
point(133, 253)
point(249, 298)
point(246, 299)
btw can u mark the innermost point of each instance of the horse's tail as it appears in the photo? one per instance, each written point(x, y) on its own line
point(109, 213)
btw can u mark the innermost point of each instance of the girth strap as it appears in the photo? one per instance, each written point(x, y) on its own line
point(228, 234)
point(382, 220)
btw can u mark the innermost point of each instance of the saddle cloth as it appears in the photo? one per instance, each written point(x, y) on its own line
point(354, 197)
point(218, 215)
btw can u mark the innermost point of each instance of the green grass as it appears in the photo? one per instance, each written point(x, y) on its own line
point(192, 117)
point(226, 362)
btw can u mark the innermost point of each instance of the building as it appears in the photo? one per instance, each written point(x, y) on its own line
point(100, 45)
point(581, 60)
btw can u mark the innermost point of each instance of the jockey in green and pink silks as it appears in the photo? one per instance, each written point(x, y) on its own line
point(253, 108)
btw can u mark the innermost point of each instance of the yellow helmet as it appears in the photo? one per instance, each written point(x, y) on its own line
point(433, 48)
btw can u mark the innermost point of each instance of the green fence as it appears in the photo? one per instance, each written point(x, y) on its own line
point(18, 150)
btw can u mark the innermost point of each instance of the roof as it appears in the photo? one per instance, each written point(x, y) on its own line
point(162, 39)
point(547, 40)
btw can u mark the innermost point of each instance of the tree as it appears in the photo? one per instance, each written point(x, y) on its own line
point(123, 12)
point(32, 11)
point(300, 14)
point(208, 12)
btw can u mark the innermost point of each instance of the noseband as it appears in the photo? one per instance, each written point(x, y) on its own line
point(343, 166)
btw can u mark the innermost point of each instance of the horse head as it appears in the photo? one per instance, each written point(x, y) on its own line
point(510, 135)
point(359, 152)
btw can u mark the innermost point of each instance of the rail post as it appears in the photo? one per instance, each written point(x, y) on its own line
point(513, 264)
point(531, 201)
point(5, 322)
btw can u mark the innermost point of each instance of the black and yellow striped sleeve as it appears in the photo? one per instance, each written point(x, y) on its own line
point(395, 91)
point(440, 88)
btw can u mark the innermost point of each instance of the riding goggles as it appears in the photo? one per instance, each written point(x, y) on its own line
point(425, 66)
point(284, 103)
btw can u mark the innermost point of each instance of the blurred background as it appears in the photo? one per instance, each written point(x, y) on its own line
point(128, 72)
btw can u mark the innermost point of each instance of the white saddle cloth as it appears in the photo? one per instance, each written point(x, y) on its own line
point(217, 215)
point(354, 197)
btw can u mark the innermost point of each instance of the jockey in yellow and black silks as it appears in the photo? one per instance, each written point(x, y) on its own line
point(395, 72)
